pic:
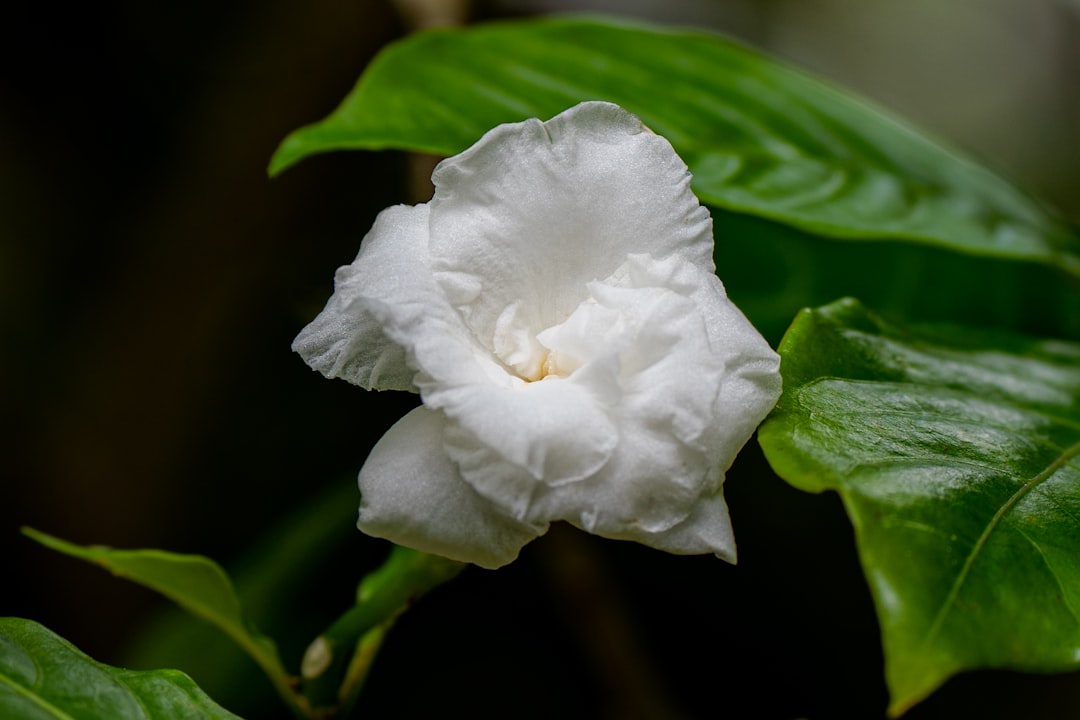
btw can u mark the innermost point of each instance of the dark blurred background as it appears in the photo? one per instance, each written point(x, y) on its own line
point(152, 279)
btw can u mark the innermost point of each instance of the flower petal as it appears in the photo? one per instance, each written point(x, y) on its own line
point(512, 434)
point(512, 443)
point(660, 379)
point(556, 307)
point(750, 383)
point(534, 211)
point(683, 407)
point(413, 495)
point(345, 340)
point(706, 530)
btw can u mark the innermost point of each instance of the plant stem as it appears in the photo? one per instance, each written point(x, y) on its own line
point(382, 596)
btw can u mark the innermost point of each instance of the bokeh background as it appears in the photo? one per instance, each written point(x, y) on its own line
point(152, 278)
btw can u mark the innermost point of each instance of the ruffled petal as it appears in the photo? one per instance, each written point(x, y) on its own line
point(511, 444)
point(511, 434)
point(507, 434)
point(683, 408)
point(655, 370)
point(555, 306)
point(706, 530)
point(412, 494)
point(530, 214)
point(345, 340)
point(751, 383)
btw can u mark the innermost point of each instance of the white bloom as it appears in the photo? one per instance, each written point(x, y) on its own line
point(555, 304)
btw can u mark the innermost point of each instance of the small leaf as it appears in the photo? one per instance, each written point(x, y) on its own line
point(274, 576)
point(760, 137)
point(955, 454)
point(44, 676)
point(196, 583)
point(382, 595)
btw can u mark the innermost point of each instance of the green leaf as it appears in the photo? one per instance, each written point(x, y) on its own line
point(760, 137)
point(197, 584)
point(955, 454)
point(304, 550)
point(44, 676)
point(772, 271)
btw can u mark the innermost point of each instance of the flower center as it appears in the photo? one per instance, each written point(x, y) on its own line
point(550, 368)
point(558, 351)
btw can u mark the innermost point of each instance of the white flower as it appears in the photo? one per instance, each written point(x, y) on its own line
point(555, 304)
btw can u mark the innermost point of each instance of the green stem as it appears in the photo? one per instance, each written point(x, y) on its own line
point(382, 596)
point(360, 665)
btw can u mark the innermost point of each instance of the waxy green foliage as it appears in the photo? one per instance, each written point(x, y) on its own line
point(274, 576)
point(760, 137)
point(43, 677)
point(194, 582)
point(955, 454)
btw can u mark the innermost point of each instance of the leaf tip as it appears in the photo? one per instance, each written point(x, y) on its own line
point(43, 538)
point(280, 161)
point(292, 149)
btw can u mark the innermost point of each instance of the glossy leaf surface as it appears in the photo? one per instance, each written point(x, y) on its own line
point(275, 578)
point(772, 271)
point(760, 137)
point(196, 583)
point(44, 677)
point(955, 454)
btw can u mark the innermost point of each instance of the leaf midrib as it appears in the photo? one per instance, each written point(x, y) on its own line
point(24, 692)
point(995, 521)
point(231, 623)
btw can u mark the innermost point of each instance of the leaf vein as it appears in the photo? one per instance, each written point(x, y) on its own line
point(1050, 569)
point(914, 525)
point(34, 698)
point(950, 600)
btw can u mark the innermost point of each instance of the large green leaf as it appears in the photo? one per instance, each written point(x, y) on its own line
point(955, 454)
point(197, 584)
point(44, 677)
point(771, 271)
point(760, 137)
